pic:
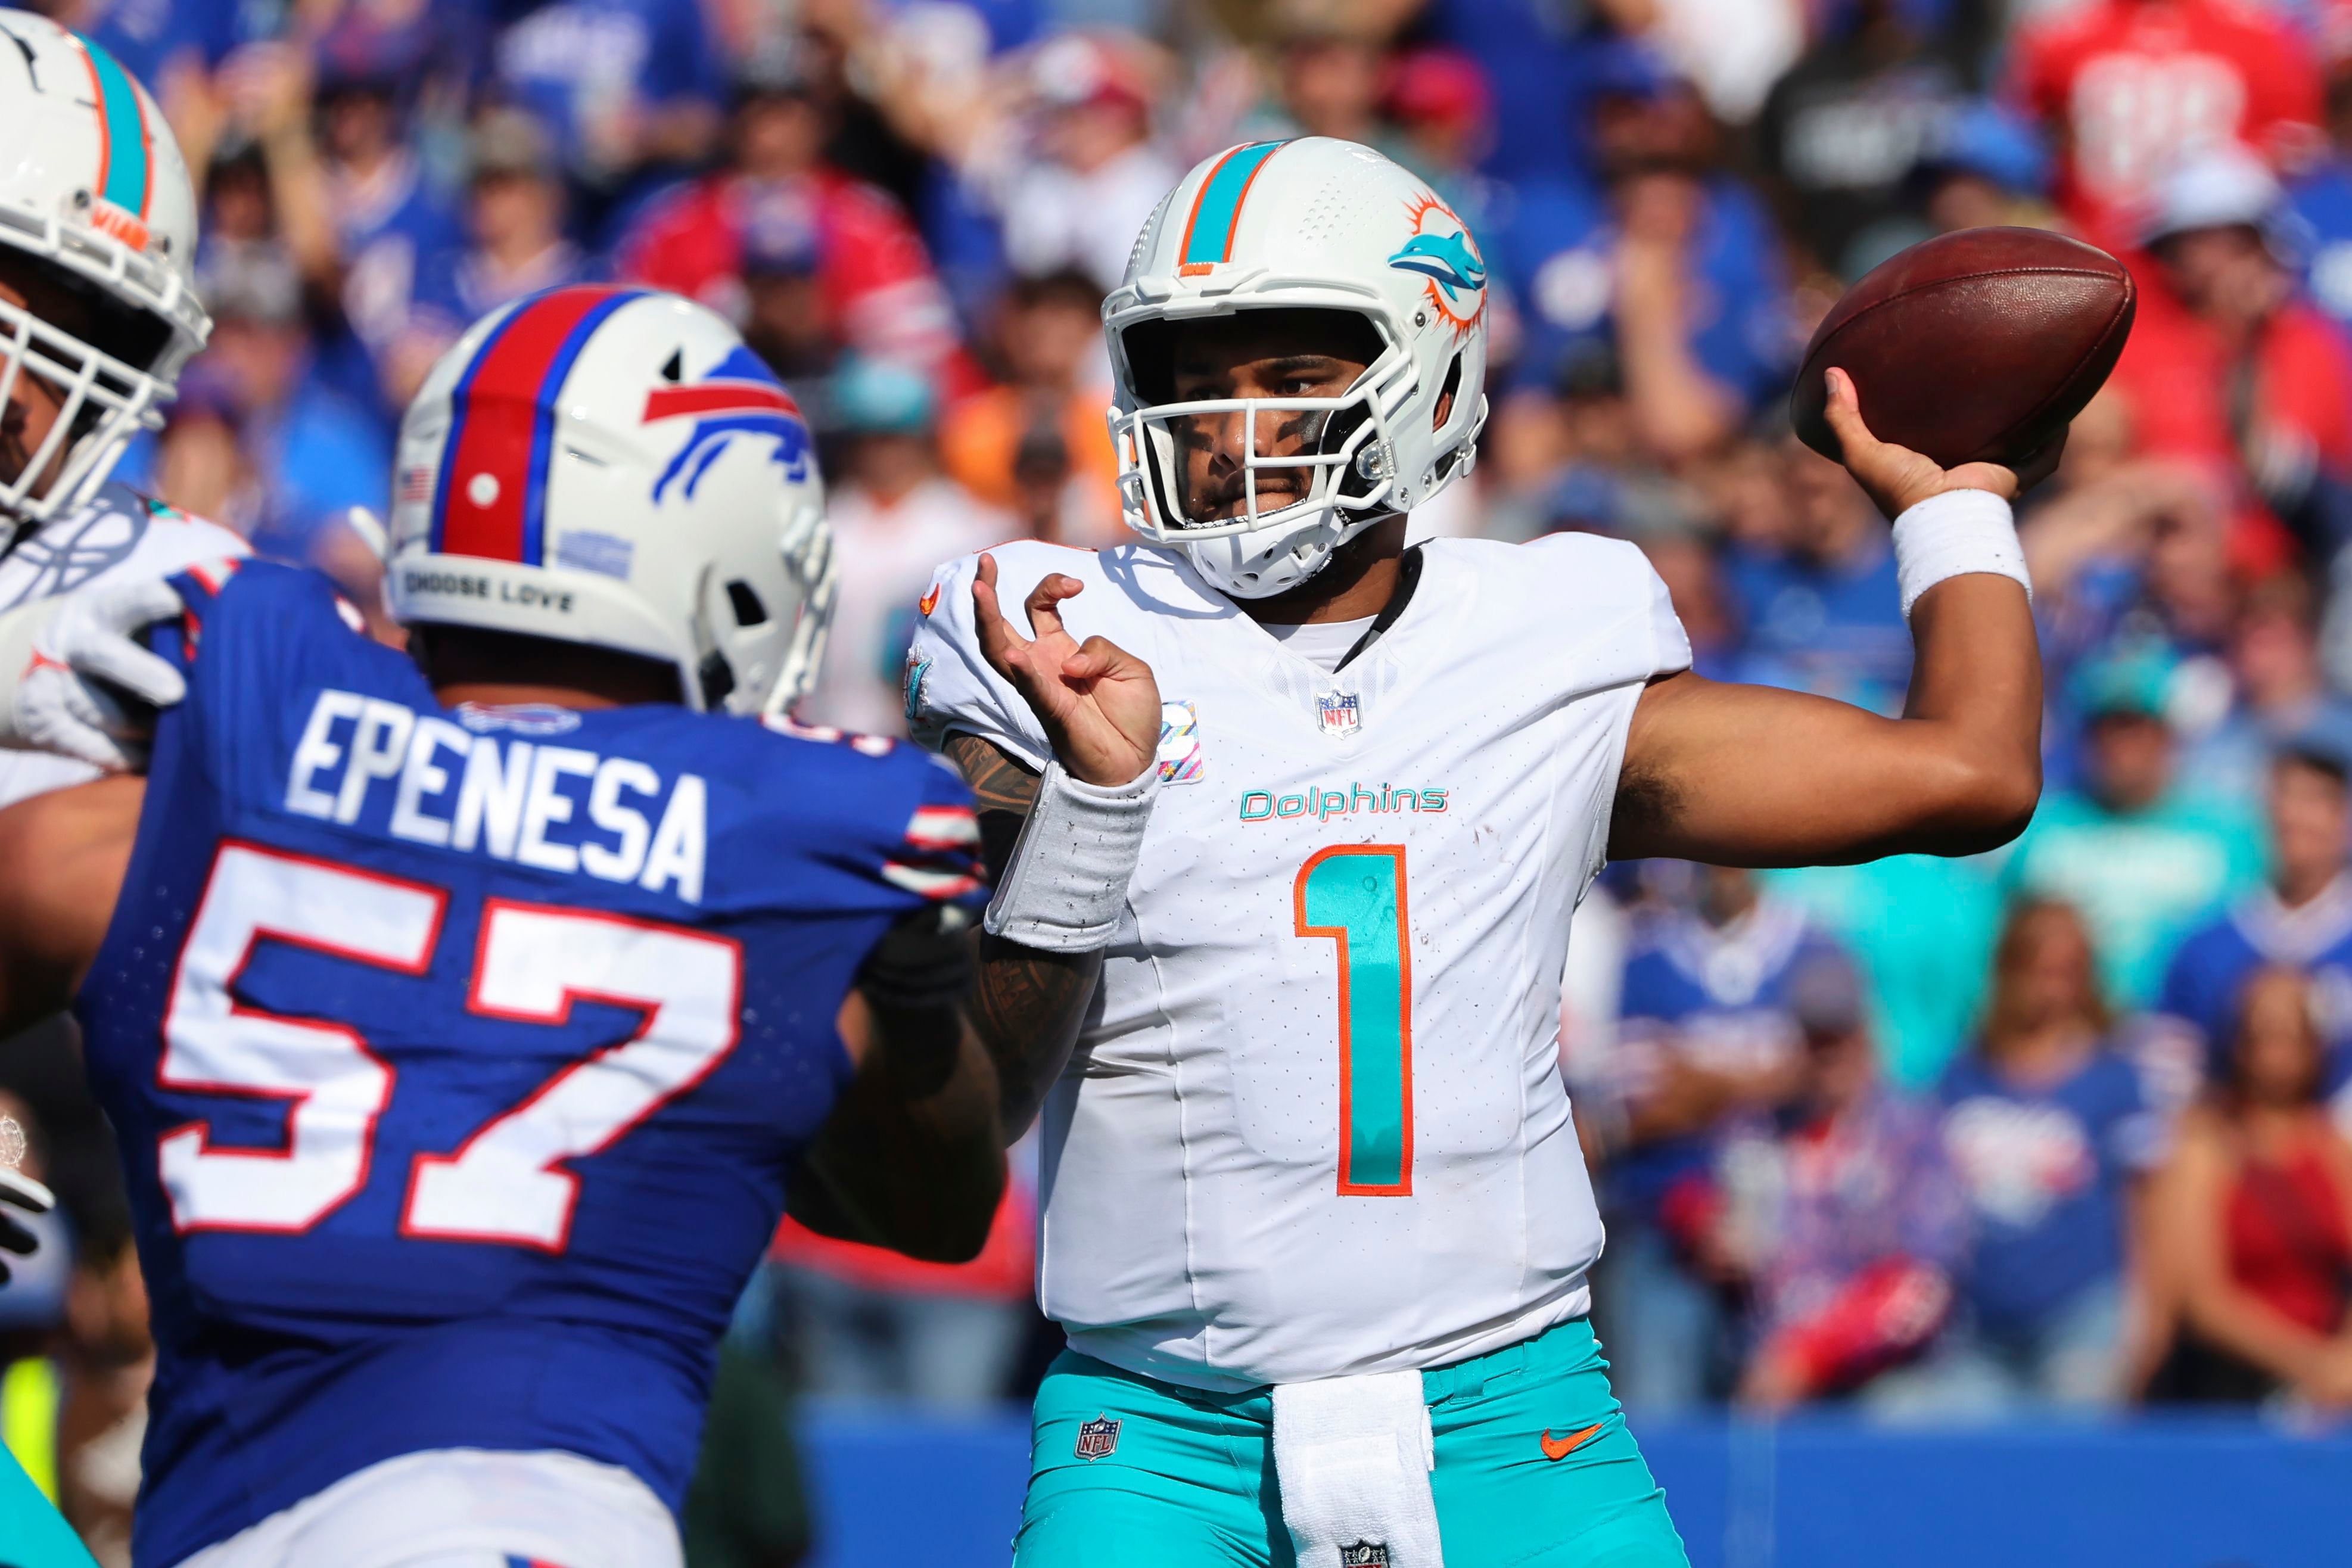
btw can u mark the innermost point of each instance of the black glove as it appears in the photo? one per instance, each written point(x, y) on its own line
point(924, 961)
point(24, 1193)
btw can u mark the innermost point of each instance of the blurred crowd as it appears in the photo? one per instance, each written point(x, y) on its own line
point(2059, 1126)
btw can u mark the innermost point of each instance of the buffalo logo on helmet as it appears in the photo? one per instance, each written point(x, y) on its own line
point(740, 396)
point(1442, 251)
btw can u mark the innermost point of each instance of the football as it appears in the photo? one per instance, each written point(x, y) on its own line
point(1977, 346)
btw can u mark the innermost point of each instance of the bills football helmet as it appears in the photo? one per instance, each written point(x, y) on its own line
point(613, 465)
point(1314, 223)
point(94, 187)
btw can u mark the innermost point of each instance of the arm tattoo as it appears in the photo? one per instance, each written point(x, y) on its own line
point(1028, 1006)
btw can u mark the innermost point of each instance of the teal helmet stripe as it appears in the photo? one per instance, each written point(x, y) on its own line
point(1209, 234)
point(124, 181)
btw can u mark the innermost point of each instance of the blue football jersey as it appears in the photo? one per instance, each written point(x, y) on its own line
point(458, 1056)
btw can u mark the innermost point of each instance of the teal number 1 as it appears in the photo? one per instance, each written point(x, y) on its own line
point(1354, 894)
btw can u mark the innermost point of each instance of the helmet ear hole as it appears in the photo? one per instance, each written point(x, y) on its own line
point(749, 610)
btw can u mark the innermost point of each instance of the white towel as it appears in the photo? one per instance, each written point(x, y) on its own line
point(1352, 1457)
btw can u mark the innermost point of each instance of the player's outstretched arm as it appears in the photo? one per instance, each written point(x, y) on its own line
point(1026, 1006)
point(1745, 776)
point(912, 1157)
point(62, 858)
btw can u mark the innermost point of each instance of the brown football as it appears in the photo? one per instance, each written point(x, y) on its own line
point(1971, 347)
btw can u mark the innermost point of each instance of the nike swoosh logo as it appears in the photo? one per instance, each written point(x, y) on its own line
point(1561, 1447)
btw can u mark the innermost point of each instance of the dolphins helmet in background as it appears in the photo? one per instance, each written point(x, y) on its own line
point(1315, 223)
point(96, 193)
point(613, 466)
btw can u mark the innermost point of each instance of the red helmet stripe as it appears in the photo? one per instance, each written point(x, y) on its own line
point(494, 464)
point(716, 397)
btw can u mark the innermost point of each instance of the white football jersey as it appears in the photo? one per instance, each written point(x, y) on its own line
point(118, 530)
point(1315, 1125)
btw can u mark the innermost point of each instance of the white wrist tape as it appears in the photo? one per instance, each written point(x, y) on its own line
point(1066, 886)
point(1951, 535)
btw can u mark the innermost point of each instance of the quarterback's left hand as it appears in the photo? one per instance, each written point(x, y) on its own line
point(1898, 479)
point(66, 664)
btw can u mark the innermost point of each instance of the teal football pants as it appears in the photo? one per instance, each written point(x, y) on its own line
point(1535, 1468)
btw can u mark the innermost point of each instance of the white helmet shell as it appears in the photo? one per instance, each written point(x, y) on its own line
point(91, 184)
point(613, 466)
point(1314, 223)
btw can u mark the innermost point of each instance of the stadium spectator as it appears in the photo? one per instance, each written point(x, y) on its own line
point(1707, 1039)
point(1842, 131)
point(895, 516)
point(2051, 1132)
point(776, 197)
point(624, 85)
point(2321, 195)
point(392, 224)
point(2253, 1220)
point(2301, 919)
point(1844, 1218)
point(2140, 857)
point(516, 245)
point(2227, 367)
point(2126, 88)
point(1048, 340)
point(1668, 257)
point(1820, 610)
point(316, 455)
point(1443, 111)
point(1076, 194)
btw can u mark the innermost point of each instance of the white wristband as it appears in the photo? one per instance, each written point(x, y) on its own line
point(1951, 535)
point(1066, 886)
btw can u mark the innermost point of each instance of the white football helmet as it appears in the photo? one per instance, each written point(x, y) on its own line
point(612, 466)
point(93, 185)
point(1315, 223)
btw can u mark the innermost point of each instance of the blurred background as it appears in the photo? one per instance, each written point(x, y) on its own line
point(1991, 1209)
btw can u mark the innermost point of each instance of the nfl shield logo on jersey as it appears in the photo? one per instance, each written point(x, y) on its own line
point(1341, 715)
point(1097, 1437)
point(1365, 1554)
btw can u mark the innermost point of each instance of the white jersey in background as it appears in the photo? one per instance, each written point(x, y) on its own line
point(1315, 1126)
point(119, 531)
point(885, 554)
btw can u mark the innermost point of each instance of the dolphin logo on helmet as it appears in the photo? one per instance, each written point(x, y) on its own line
point(1446, 257)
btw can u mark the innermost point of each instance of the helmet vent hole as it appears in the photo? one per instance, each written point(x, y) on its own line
point(675, 367)
point(749, 610)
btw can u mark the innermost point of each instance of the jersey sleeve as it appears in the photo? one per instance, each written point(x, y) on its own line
point(1626, 629)
point(947, 685)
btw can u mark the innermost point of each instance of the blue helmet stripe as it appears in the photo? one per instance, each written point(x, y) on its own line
point(1209, 234)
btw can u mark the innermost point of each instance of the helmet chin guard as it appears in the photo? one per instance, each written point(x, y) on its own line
point(1315, 224)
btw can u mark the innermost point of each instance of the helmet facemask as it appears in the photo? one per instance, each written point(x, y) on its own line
point(1338, 453)
point(104, 401)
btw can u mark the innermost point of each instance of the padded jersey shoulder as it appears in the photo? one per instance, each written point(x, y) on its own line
point(1595, 603)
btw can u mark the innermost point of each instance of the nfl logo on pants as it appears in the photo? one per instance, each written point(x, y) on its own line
point(1365, 1554)
point(1099, 1436)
